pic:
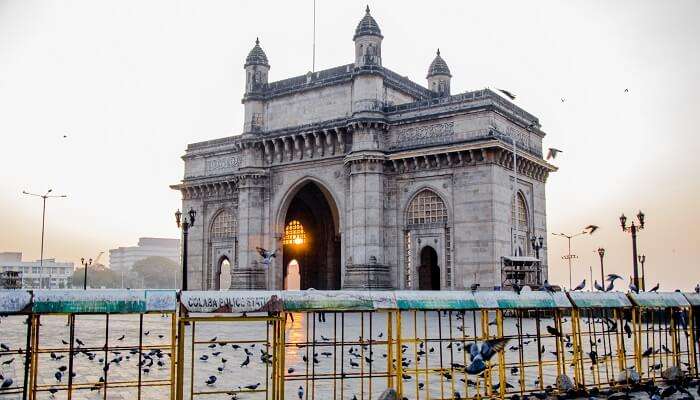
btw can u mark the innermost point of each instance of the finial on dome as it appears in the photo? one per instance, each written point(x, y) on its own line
point(367, 26)
point(438, 66)
point(256, 56)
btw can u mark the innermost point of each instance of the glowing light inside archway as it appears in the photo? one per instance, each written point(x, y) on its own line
point(294, 233)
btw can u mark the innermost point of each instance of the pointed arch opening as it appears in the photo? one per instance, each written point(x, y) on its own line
point(223, 250)
point(520, 220)
point(311, 239)
point(427, 221)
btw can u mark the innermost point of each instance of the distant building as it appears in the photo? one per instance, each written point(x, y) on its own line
point(122, 259)
point(11, 280)
point(35, 274)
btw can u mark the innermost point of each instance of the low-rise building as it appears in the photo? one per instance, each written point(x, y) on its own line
point(46, 273)
point(122, 259)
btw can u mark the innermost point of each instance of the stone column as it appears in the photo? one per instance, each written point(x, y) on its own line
point(365, 266)
point(250, 273)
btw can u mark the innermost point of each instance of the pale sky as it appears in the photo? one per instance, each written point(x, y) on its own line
point(132, 82)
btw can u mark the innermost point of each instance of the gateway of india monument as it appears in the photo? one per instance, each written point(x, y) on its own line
point(360, 178)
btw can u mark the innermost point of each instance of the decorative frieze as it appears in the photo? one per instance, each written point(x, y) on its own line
point(222, 164)
point(418, 135)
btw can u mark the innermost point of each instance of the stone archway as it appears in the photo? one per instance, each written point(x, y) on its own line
point(311, 237)
point(429, 271)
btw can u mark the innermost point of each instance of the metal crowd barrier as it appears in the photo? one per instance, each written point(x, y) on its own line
point(338, 344)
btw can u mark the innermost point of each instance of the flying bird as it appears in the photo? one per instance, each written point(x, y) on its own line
point(479, 354)
point(627, 90)
point(507, 93)
point(552, 153)
point(612, 277)
point(591, 229)
point(266, 255)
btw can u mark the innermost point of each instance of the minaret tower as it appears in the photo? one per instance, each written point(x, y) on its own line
point(439, 76)
point(256, 69)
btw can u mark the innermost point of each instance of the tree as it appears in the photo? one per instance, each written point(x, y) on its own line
point(156, 273)
point(98, 276)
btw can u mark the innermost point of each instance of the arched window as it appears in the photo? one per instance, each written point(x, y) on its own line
point(521, 214)
point(425, 209)
point(294, 233)
point(223, 226)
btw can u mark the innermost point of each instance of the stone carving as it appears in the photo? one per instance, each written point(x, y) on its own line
point(422, 134)
point(223, 164)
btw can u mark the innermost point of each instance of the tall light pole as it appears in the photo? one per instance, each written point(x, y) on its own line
point(85, 265)
point(601, 253)
point(641, 259)
point(43, 219)
point(569, 256)
point(185, 225)
point(632, 229)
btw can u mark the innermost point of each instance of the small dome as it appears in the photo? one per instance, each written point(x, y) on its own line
point(367, 27)
point(438, 66)
point(256, 56)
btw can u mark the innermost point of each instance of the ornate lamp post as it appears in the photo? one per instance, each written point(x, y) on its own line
point(185, 225)
point(537, 244)
point(85, 265)
point(601, 253)
point(641, 259)
point(633, 230)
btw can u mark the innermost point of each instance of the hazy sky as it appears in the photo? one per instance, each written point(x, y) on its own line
point(132, 82)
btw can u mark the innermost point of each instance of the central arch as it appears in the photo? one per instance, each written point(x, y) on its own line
point(311, 237)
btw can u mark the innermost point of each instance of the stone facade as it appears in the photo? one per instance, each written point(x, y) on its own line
point(400, 186)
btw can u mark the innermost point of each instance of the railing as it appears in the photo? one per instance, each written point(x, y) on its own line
point(155, 344)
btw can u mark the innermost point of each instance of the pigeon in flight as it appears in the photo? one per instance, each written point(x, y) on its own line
point(266, 255)
point(507, 93)
point(612, 277)
point(591, 229)
point(479, 354)
point(552, 153)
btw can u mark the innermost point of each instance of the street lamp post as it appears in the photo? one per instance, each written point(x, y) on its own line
point(43, 219)
point(537, 244)
point(641, 259)
point(85, 265)
point(601, 253)
point(632, 229)
point(569, 256)
point(185, 224)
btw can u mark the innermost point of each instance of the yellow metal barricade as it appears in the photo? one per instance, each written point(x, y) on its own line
point(99, 342)
point(605, 339)
point(663, 335)
point(16, 328)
